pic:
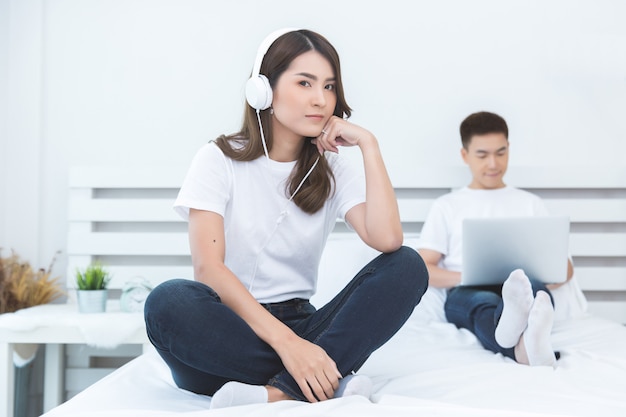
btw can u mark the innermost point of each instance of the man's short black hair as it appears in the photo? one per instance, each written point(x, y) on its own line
point(482, 123)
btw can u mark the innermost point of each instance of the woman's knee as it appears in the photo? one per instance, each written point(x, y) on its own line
point(174, 295)
point(409, 271)
point(414, 263)
point(162, 295)
point(170, 304)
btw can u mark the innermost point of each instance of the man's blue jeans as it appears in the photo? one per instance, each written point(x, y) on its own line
point(205, 344)
point(478, 309)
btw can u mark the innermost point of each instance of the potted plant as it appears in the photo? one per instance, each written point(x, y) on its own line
point(91, 288)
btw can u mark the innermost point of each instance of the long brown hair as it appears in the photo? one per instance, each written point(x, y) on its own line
point(319, 185)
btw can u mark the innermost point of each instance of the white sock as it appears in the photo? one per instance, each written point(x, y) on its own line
point(537, 335)
point(237, 393)
point(517, 296)
point(354, 385)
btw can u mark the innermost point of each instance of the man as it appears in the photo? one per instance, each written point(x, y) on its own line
point(514, 318)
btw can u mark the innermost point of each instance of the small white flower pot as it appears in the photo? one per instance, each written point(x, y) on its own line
point(92, 301)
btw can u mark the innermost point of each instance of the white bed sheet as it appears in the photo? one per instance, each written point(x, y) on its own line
point(429, 368)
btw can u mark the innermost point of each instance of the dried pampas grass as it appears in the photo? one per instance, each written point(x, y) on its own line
point(21, 286)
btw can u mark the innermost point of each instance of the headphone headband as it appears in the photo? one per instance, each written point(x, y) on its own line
point(265, 46)
point(258, 90)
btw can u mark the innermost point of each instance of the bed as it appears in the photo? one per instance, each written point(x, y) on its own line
point(429, 367)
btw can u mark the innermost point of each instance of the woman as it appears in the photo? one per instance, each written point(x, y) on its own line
point(260, 205)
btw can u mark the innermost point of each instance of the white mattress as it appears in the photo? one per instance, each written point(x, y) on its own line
point(429, 368)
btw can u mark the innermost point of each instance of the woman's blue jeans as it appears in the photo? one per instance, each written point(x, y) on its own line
point(479, 308)
point(206, 344)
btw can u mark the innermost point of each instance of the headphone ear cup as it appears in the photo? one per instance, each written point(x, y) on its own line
point(259, 92)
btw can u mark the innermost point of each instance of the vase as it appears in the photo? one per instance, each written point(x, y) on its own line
point(92, 301)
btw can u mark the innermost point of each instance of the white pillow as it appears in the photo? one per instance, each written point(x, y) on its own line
point(345, 255)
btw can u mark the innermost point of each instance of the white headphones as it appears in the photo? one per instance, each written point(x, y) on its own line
point(258, 89)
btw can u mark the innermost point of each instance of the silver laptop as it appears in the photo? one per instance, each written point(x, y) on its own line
point(494, 247)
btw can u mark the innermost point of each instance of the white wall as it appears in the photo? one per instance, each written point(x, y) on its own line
point(147, 82)
point(4, 86)
point(21, 127)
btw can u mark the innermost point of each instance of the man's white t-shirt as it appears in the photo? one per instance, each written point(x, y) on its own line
point(272, 246)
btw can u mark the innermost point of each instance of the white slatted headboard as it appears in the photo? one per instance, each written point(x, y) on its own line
point(124, 218)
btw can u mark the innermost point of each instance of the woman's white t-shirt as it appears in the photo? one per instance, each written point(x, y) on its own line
point(272, 246)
